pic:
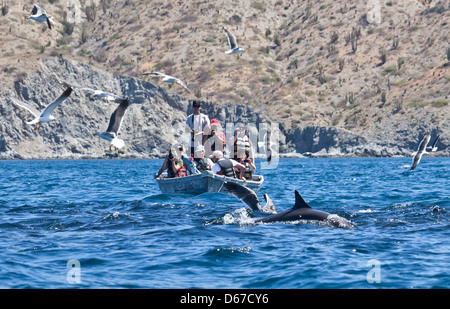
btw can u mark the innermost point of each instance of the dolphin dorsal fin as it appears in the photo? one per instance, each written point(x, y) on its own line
point(299, 201)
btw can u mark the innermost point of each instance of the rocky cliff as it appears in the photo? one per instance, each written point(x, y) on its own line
point(364, 78)
point(154, 121)
point(333, 142)
point(147, 126)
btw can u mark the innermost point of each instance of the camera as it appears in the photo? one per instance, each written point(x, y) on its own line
point(170, 154)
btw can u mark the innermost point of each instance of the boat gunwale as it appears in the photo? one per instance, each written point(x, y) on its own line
point(207, 176)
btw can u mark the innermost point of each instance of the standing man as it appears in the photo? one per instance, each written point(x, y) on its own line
point(196, 124)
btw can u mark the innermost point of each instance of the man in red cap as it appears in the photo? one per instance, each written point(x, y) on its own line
point(215, 140)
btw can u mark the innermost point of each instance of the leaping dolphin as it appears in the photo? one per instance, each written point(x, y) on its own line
point(300, 211)
point(248, 196)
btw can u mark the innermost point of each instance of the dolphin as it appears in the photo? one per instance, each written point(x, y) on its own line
point(248, 196)
point(300, 211)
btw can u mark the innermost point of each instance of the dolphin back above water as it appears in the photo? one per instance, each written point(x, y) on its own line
point(300, 211)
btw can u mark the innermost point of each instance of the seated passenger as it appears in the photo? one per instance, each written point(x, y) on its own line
point(223, 166)
point(186, 162)
point(203, 164)
point(249, 165)
point(240, 142)
point(179, 167)
point(170, 163)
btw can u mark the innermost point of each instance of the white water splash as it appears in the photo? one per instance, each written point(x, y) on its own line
point(239, 216)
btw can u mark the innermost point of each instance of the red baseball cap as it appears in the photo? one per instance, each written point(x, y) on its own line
point(214, 121)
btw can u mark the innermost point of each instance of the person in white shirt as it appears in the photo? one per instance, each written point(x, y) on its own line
point(196, 123)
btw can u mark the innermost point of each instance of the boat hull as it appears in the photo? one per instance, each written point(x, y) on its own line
point(204, 182)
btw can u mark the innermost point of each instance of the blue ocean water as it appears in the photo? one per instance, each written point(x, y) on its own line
point(105, 224)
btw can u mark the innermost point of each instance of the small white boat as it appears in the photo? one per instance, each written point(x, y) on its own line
point(204, 182)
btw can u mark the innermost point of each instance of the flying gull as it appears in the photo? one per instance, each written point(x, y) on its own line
point(102, 95)
point(433, 147)
point(168, 79)
point(46, 115)
point(232, 42)
point(420, 151)
point(115, 122)
point(39, 14)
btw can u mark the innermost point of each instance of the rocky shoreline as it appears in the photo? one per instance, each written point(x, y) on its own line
point(17, 157)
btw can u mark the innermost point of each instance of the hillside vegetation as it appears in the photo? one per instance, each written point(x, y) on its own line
point(372, 67)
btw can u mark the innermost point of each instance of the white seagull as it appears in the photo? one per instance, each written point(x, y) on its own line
point(102, 95)
point(168, 79)
point(420, 151)
point(433, 147)
point(115, 122)
point(232, 42)
point(39, 14)
point(46, 115)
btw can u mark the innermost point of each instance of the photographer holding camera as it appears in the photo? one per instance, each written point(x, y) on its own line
point(216, 139)
point(173, 164)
